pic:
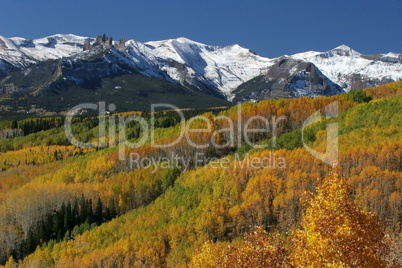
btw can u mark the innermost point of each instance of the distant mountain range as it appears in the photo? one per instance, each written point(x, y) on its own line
point(59, 71)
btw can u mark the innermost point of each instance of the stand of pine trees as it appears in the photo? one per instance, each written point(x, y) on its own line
point(66, 223)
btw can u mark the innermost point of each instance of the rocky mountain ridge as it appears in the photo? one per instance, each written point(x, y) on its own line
point(230, 72)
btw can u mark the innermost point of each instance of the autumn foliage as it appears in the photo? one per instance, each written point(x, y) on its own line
point(258, 249)
point(207, 216)
point(335, 232)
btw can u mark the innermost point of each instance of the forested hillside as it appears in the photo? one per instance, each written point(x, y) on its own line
point(73, 207)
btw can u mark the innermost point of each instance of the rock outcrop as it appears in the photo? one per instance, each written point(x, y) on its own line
point(58, 71)
point(107, 41)
point(104, 40)
point(2, 44)
point(87, 44)
point(121, 45)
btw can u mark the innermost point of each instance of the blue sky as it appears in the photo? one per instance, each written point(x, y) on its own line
point(270, 28)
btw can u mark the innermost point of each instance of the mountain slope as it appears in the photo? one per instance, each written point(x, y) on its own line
point(224, 68)
point(352, 70)
point(232, 72)
point(211, 203)
point(289, 77)
point(178, 60)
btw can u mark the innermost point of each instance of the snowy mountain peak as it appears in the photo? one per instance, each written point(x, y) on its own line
point(51, 47)
point(343, 50)
point(186, 40)
point(181, 40)
point(49, 40)
point(343, 47)
point(304, 55)
point(60, 39)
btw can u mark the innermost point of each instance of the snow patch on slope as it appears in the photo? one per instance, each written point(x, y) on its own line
point(222, 67)
point(305, 55)
point(342, 65)
point(10, 54)
point(389, 66)
point(51, 47)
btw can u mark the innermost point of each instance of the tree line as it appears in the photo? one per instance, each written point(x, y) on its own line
point(70, 220)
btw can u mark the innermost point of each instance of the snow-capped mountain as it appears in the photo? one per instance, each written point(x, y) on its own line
point(21, 52)
point(224, 68)
point(232, 72)
point(181, 60)
point(51, 47)
point(288, 77)
point(352, 70)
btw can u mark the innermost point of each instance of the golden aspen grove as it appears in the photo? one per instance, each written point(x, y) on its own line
point(272, 205)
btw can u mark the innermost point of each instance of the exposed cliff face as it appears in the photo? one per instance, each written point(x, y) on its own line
point(58, 71)
point(104, 40)
point(107, 41)
point(287, 78)
point(2, 44)
point(87, 44)
point(121, 45)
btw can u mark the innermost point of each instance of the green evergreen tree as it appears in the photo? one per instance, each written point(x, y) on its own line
point(14, 124)
point(90, 214)
point(21, 251)
point(41, 231)
point(357, 96)
point(107, 213)
point(49, 226)
point(75, 231)
point(68, 222)
point(59, 235)
point(75, 211)
point(113, 210)
point(60, 217)
point(98, 216)
point(30, 242)
point(83, 214)
point(67, 236)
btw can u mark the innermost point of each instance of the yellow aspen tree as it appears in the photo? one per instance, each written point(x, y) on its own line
point(335, 232)
point(258, 249)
